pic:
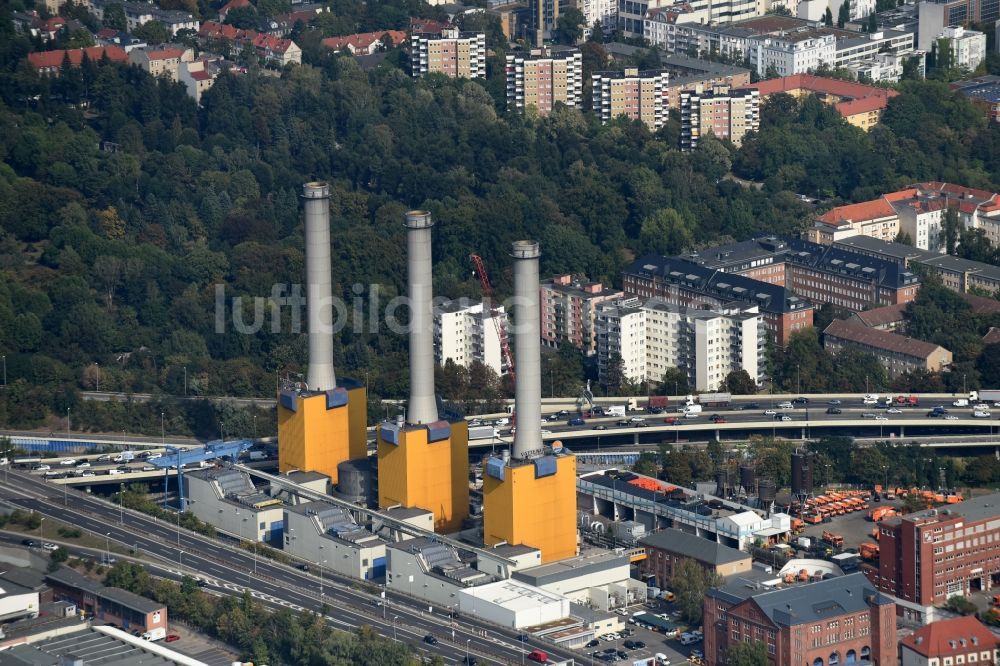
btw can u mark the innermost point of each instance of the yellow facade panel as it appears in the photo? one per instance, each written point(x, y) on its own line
point(540, 513)
point(313, 438)
point(433, 476)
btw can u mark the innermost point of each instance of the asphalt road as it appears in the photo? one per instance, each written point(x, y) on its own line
point(227, 568)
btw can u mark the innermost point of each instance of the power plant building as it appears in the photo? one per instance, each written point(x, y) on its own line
point(529, 495)
point(320, 423)
point(423, 461)
point(329, 537)
point(228, 500)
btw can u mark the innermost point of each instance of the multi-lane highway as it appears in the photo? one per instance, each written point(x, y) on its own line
point(226, 567)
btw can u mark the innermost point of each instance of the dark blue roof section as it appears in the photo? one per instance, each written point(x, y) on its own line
point(718, 284)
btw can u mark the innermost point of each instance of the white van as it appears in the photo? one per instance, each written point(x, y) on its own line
point(688, 639)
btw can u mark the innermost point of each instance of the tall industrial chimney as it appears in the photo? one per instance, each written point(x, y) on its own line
point(423, 406)
point(527, 349)
point(320, 375)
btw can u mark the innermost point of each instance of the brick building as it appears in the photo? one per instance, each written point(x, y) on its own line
point(843, 620)
point(720, 111)
point(679, 281)
point(898, 353)
point(569, 311)
point(952, 642)
point(637, 95)
point(450, 52)
point(928, 556)
point(108, 604)
point(667, 549)
point(816, 272)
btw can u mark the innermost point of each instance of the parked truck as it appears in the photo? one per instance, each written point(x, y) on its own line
point(482, 432)
point(833, 539)
point(910, 400)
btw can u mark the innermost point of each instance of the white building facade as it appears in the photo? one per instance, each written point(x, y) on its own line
point(326, 536)
point(794, 53)
point(968, 47)
point(465, 331)
point(228, 500)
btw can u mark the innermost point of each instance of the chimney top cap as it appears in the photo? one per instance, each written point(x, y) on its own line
point(317, 189)
point(418, 219)
point(525, 249)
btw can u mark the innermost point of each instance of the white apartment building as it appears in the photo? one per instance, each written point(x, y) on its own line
point(888, 66)
point(814, 10)
point(653, 336)
point(464, 332)
point(793, 53)
point(923, 222)
point(605, 11)
point(968, 47)
point(866, 46)
point(633, 15)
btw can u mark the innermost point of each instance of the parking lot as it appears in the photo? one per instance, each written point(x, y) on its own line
point(854, 527)
point(655, 642)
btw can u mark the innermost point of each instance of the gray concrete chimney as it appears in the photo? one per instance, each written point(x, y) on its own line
point(423, 406)
point(527, 349)
point(320, 375)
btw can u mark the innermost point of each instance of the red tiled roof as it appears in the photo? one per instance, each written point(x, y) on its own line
point(889, 314)
point(901, 194)
point(105, 33)
point(866, 210)
point(164, 54)
point(418, 25)
point(845, 89)
point(992, 336)
point(864, 105)
point(362, 41)
point(200, 75)
point(878, 339)
point(955, 636)
point(981, 304)
point(215, 30)
point(54, 59)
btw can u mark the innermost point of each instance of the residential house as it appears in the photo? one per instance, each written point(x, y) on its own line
point(273, 50)
point(365, 43)
point(48, 63)
point(162, 60)
point(899, 354)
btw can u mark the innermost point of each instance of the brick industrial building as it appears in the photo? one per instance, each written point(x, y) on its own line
point(843, 620)
point(952, 642)
point(678, 281)
point(666, 549)
point(820, 273)
point(928, 556)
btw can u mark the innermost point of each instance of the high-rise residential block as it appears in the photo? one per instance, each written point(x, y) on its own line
point(569, 311)
point(652, 336)
point(450, 52)
point(637, 95)
point(723, 112)
point(465, 332)
point(544, 77)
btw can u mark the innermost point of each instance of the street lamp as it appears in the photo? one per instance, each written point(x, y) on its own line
point(394, 618)
point(121, 503)
point(97, 366)
point(67, 422)
point(467, 641)
point(163, 432)
point(41, 524)
point(107, 547)
point(320, 566)
point(4, 370)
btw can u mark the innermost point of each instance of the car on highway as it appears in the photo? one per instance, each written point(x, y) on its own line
point(30, 543)
point(782, 417)
point(88, 473)
point(304, 567)
point(154, 456)
point(202, 582)
point(104, 458)
point(801, 400)
point(637, 419)
point(880, 417)
point(770, 412)
point(82, 464)
point(718, 418)
point(671, 420)
point(951, 417)
point(552, 417)
point(687, 415)
point(576, 422)
point(834, 403)
point(430, 640)
point(834, 410)
point(785, 405)
point(171, 638)
point(623, 423)
point(469, 660)
point(893, 410)
point(147, 468)
point(41, 468)
point(68, 461)
point(538, 656)
point(49, 546)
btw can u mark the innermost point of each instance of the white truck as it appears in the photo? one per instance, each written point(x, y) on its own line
point(482, 432)
point(617, 411)
point(692, 409)
point(986, 395)
point(961, 402)
point(157, 634)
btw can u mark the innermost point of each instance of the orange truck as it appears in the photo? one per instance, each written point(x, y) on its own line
point(832, 538)
point(868, 551)
point(881, 513)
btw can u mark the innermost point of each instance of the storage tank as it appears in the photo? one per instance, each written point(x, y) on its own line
point(747, 478)
point(356, 481)
point(722, 483)
point(766, 491)
point(802, 472)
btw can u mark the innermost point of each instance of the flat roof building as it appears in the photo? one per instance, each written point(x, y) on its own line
point(596, 578)
point(93, 646)
point(328, 536)
point(543, 78)
point(928, 556)
point(228, 500)
point(430, 570)
point(637, 95)
point(513, 604)
point(108, 604)
point(568, 311)
point(450, 52)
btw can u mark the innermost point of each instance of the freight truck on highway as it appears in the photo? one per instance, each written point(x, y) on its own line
point(991, 396)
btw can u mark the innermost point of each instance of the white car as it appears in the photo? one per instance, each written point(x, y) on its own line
point(68, 461)
point(501, 421)
point(82, 463)
point(88, 473)
point(980, 414)
point(637, 419)
point(951, 417)
point(154, 456)
point(785, 405)
point(881, 418)
point(784, 417)
point(50, 546)
point(42, 468)
point(769, 412)
point(893, 410)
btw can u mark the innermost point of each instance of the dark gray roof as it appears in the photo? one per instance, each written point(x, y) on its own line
point(694, 547)
point(70, 578)
point(973, 510)
point(303, 477)
point(574, 567)
point(25, 577)
point(88, 648)
point(899, 252)
point(801, 604)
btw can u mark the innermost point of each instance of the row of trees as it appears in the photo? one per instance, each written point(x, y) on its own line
point(261, 635)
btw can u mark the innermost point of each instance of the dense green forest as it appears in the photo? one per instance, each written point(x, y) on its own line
point(123, 205)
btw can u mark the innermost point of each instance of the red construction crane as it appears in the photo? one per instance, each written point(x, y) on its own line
point(484, 280)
